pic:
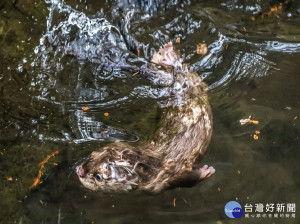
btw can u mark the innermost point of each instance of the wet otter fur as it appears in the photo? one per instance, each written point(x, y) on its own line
point(168, 159)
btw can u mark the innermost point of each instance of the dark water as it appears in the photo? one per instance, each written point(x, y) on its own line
point(252, 68)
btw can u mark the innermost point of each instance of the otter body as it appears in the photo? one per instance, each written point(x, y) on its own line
point(168, 159)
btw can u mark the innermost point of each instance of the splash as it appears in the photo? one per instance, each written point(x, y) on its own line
point(244, 64)
point(70, 32)
point(76, 48)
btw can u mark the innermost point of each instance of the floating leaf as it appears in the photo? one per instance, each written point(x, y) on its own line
point(277, 9)
point(248, 120)
point(202, 49)
point(37, 180)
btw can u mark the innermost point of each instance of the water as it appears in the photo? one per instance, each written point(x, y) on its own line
point(51, 55)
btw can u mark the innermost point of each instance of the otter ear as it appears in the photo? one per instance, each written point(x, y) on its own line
point(186, 178)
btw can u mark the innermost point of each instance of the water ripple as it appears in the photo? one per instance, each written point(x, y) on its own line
point(77, 57)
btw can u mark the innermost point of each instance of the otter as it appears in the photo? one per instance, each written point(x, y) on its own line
point(168, 160)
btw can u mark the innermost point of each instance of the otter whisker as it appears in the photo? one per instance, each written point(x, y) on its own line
point(128, 170)
point(135, 165)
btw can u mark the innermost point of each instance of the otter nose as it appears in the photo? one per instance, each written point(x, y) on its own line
point(80, 171)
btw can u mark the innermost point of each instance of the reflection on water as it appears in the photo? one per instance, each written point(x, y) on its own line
point(59, 57)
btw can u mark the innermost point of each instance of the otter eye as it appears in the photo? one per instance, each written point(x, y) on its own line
point(98, 177)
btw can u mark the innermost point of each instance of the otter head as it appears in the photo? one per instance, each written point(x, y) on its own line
point(108, 171)
point(167, 55)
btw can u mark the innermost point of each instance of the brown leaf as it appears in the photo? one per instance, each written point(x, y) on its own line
point(202, 49)
point(248, 120)
point(37, 180)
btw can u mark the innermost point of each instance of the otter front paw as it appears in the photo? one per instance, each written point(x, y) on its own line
point(189, 178)
point(206, 172)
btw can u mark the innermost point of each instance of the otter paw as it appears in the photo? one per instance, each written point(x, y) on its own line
point(206, 172)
